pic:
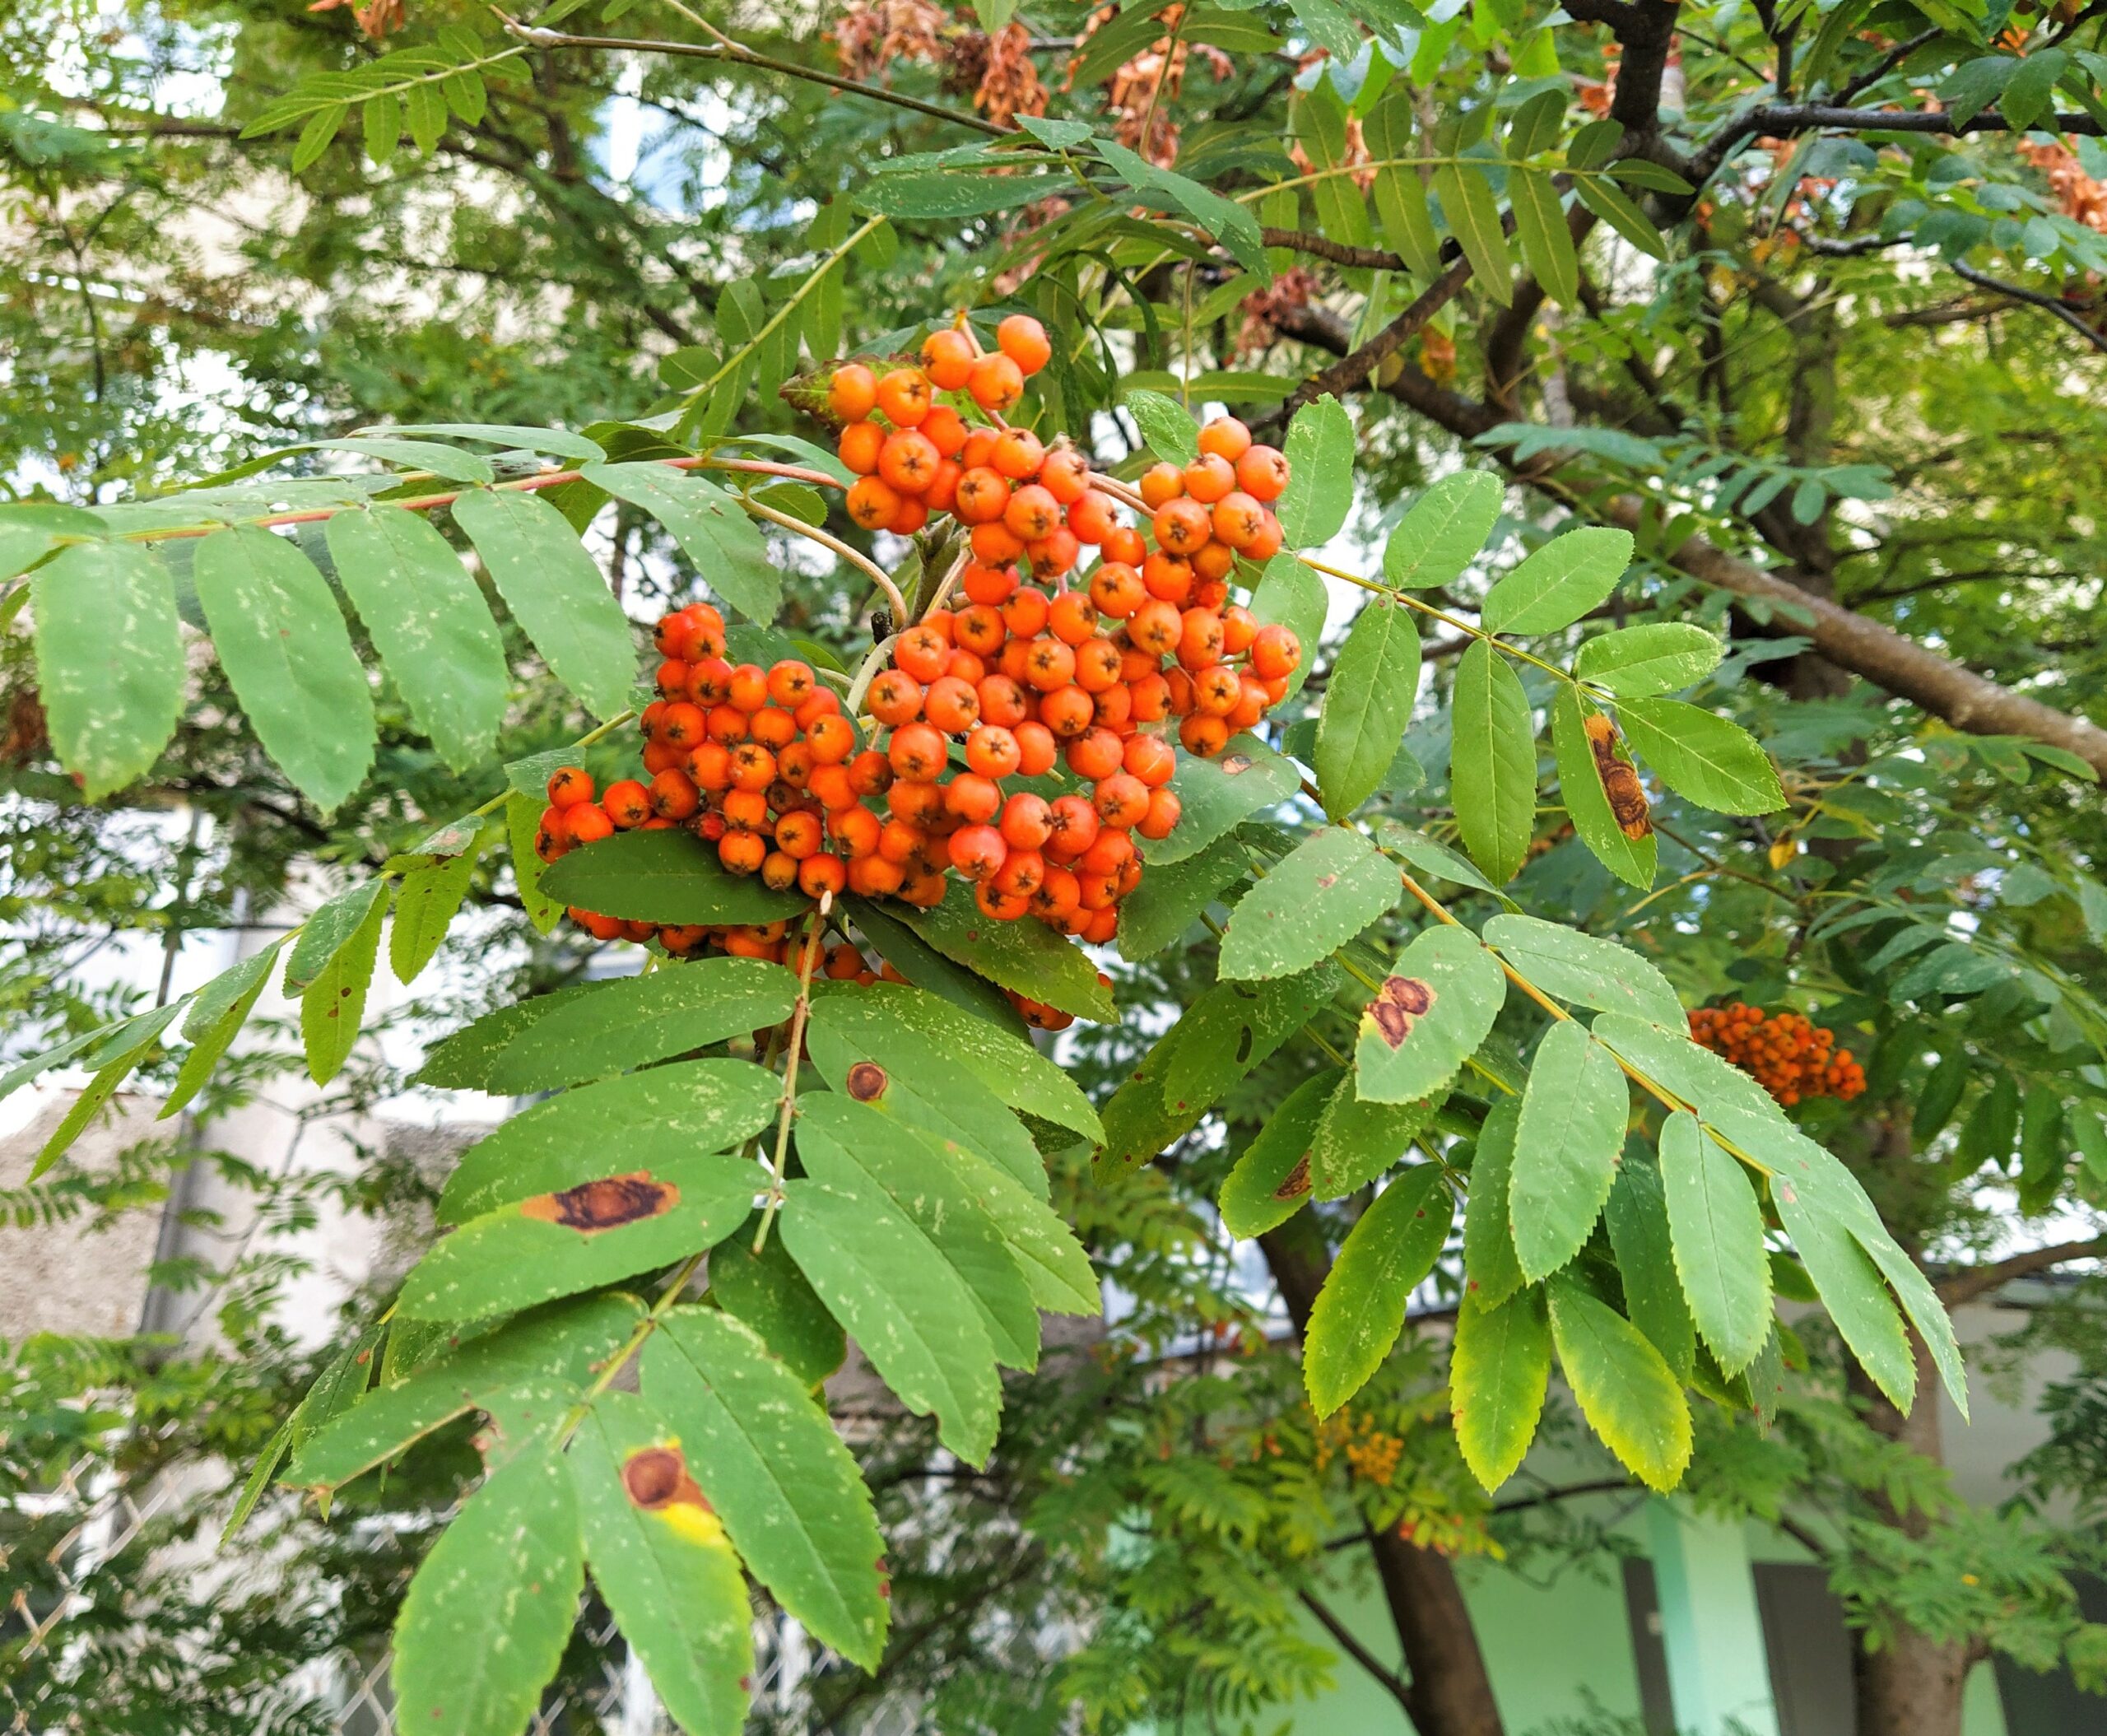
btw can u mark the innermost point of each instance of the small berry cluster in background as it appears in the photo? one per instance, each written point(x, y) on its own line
point(1788, 1055)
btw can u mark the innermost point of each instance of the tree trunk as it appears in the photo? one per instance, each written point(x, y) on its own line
point(1448, 1692)
point(1913, 1684)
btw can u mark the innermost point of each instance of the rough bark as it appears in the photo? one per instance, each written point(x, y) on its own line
point(1448, 1691)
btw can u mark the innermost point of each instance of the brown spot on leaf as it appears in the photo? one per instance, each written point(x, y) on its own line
point(1297, 1182)
point(594, 1206)
point(657, 1477)
point(867, 1080)
point(1233, 763)
point(1402, 1001)
point(1619, 779)
point(1326, 881)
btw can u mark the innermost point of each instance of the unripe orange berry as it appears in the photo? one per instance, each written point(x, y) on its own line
point(948, 356)
point(1226, 437)
point(907, 460)
point(570, 786)
point(853, 392)
point(977, 852)
point(1262, 474)
point(905, 397)
point(996, 383)
point(1018, 454)
point(873, 503)
point(1023, 339)
point(1160, 484)
point(1209, 478)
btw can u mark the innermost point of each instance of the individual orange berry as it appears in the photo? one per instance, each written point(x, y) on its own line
point(1097, 665)
point(1026, 821)
point(779, 871)
point(916, 751)
point(1023, 339)
point(977, 852)
point(831, 739)
point(1225, 437)
point(1068, 711)
point(1121, 800)
point(1182, 526)
point(916, 802)
point(947, 430)
point(941, 495)
point(822, 874)
point(1065, 474)
point(710, 681)
point(951, 705)
point(1032, 513)
point(1001, 906)
point(873, 503)
point(895, 698)
point(996, 383)
point(853, 392)
point(682, 725)
point(1049, 664)
point(991, 751)
point(1037, 751)
point(1073, 826)
point(856, 829)
point(1113, 708)
point(672, 679)
point(1022, 874)
point(743, 852)
point(1160, 484)
point(921, 652)
point(908, 517)
point(861, 446)
point(1095, 754)
point(980, 629)
point(674, 795)
point(1213, 563)
point(870, 774)
point(1261, 472)
point(1018, 454)
point(1149, 758)
point(948, 356)
point(1151, 699)
point(569, 786)
point(907, 460)
point(983, 496)
point(1168, 577)
point(1057, 896)
point(1002, 701)
point(1053, 554)
point(1123, 543)
point(904, 395)
point(1208, 478)
point(1203, 735)
point(753, 766)
point(973, 799)
point(1239, 520)
point(1071, 617)
point(1199, 638)
point(995, 544)
point(1117, 590)
point(1215, 690)
point(1275, 652)
point(1267, 543)
point(627, 804)
point(1155, 627)
point(658, 756)
point(992, 586)
point(749, 686)
point(551, 836)
point(1251, 703)
point(1090, 518)
point(873, 876)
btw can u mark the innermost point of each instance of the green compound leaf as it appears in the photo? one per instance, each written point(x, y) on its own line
point(771, 1464)
point(562, 1344)
point(1493, 764)
point(1717, 1229)
point(1368, 703)
point(1498, 1375)
point(1660, 657)
point(1702, 757)
point(908, 1310)
point(644, 1121)
point(1559, 583)
point(523, 816)
point(1217, 795)
point(641, 1019)
point(847, 1142)
point(1027, 957)
point(1169, 899)
point(331, 1006)
point(489, 1609)
point(1637, 1218)
point(578, 1238)
point(713, 531)
point(1272, 1179)
point(430, 624)
point(1434, 542)
point(663, 877)
point(767, 1292)
point(1361, 1311)
point(662, 1562)
point(1574, 1113)
point(555, 592)
point(1357, 1140)
point(1492, 1272)
point(1007, 1065)
point(282, 639)
point(425, 905)
point(1334, 884)
point(1167, 426)
point(1630, 1398)
point(1586, 970)
point(1587, 803)
point(108, 659)
point(217, 1012)
point(1433, 1010)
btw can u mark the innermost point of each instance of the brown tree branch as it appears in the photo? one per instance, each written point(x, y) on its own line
point(1352, 1647)
point(1339, 253)
point(1957, 1288)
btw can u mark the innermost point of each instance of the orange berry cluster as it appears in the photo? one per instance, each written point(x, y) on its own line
point(1787, 1056)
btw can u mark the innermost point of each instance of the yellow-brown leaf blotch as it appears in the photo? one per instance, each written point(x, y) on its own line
point(656, 1479)
point(593, 1206)
point(1619, 779)
point(1400, 1003)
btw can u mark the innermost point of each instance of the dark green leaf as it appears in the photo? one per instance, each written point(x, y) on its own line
point(1493, 763)
point(722, 541)
point(1492, 1272)
point(1356, 1141)
point(1360, 1309)
point(1559, 584)
point(1718, 1230)
point(1433, 1010)
point(1465, 191)
point(1574, 1114)
point(1498, 1375)
point(1169, 899)
point(1027, 957)
point(1702, 757)
point(1637, 1217)
point(1333, 885)
point(1368, 704)
point(663, 877)
point(770, 1294)
point(1434, 542)
point(1272, 1179)
point(1218, 795)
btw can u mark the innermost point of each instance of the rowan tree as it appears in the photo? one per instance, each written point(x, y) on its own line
point(1674, 890)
